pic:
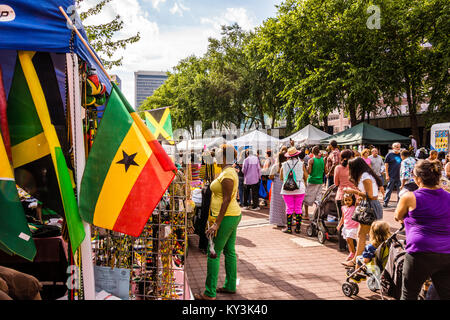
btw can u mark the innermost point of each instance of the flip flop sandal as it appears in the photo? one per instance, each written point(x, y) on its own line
point(348, 265)
point(223, 290)
point(201, 296)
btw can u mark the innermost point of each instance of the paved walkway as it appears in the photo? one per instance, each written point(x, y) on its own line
point(273, 265)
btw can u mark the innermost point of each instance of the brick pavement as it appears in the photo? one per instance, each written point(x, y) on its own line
point(273, 265)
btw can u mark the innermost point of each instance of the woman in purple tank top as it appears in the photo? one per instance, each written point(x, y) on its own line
point(426, 215)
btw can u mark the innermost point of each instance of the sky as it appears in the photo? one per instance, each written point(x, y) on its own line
point(171, 30)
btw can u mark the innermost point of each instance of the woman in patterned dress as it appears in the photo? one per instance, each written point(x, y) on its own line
point(277, 215)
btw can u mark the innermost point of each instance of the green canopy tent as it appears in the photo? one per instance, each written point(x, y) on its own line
point(365, 133)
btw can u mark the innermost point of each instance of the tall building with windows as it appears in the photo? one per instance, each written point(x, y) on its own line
point(145, 83)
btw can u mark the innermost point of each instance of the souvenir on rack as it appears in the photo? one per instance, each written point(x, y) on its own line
point(95, 90)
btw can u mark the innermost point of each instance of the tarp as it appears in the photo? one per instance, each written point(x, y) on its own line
point(199, 144)
point(309, 135)
point(365, 133)
point(38, 25)
point(257, 139)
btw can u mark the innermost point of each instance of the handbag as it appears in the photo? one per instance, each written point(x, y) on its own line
point(364, 212)
point(290, 184)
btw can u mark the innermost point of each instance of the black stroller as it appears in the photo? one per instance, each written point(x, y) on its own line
point(326, 217)
point(383, 274)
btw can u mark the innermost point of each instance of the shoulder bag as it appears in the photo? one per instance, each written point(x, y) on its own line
point(364, 212)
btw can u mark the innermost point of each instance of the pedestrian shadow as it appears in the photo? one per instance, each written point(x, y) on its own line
point(274, 281)
point(240, 241)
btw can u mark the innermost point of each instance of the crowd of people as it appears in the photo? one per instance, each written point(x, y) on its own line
point(294, 178)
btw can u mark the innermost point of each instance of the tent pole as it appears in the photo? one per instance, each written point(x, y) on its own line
point(76, 113)
point(84, 42)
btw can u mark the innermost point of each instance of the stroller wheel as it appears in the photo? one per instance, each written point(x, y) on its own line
point(347, 289)
point(321, 237)
point(372, 284)
point(311, 230)
point(355, 288)
point(350, 271)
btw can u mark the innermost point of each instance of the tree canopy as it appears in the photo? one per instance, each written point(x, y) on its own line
point(314, 57)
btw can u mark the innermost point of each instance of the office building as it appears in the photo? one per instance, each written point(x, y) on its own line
point(145, 83)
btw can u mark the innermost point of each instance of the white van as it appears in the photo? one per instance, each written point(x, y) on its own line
point(439, 136)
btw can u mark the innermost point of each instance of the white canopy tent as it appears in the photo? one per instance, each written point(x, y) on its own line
point(309, 135)
point(199, 144)
point(256, 139)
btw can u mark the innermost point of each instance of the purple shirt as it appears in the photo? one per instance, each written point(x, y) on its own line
point(251, 169)
point(428, 226)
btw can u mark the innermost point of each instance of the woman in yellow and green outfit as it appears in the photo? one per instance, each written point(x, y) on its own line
point(227, 213)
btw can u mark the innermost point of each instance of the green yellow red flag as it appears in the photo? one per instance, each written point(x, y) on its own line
point(127, 171)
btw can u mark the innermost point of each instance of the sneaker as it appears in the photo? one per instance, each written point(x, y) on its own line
point(385, 205)
point(287, 230)
point(246, 208)
point(350, 256)
point(256, 209)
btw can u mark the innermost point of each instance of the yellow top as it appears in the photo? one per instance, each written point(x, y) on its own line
point(217, 197)
point(217, 170)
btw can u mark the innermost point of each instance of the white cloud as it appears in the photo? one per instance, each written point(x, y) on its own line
point(155, 3)
point(230, 16)
point(160, 50)
point(178, 7)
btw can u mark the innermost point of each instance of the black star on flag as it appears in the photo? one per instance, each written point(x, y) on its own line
point(128, 160)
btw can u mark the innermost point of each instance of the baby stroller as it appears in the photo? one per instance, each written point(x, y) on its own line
point(374, 272)
point(326, 217)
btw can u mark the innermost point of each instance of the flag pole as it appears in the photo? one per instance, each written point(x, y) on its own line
point(84, 42)
point(153, 109)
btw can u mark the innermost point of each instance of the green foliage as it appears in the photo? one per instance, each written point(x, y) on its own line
point(314, 57)
point(100, 36)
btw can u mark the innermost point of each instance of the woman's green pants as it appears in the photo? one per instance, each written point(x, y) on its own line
point(224, 241)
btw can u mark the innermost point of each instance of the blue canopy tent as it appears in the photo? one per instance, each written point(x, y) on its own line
point(39, 26)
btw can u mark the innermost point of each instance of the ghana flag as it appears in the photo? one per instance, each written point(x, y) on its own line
point(160, 124)
point(127, 171)
point(36, 152)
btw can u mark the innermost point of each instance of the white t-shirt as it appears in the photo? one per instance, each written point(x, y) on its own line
point(366, 176)
point(298, 169)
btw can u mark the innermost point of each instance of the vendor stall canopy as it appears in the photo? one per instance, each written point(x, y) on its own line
point(365, 133)
point(38, 25)
point(309, 135)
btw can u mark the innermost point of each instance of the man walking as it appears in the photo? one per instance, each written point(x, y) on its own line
point(392, 164)
point(377, 163)
point(252, 175)
point(316, 170)
point(333, 160)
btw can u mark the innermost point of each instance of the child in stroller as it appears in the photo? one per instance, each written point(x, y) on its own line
point(372, 262)
point(326, 217)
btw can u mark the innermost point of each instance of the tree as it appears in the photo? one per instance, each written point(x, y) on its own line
point(100, 36)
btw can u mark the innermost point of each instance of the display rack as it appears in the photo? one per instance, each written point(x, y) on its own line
point(156, 259)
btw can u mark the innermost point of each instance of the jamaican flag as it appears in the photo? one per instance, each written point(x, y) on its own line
point(34, 105)
point(15, 236)
point(160, 124)
point(127, 171)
